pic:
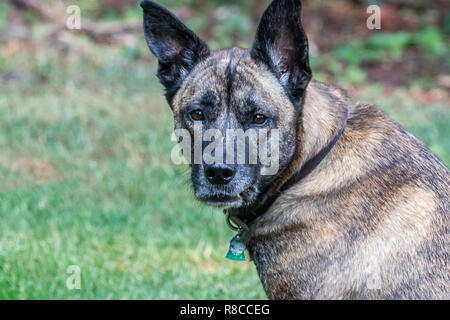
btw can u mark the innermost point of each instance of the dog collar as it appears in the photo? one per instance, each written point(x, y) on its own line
point(237, 224)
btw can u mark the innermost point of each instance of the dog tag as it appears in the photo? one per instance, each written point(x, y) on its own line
point(236, 252)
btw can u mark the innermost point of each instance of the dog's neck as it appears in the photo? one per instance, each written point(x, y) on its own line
point(320, 125)
point(322, 119)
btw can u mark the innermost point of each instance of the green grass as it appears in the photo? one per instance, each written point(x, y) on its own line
point(86, 163)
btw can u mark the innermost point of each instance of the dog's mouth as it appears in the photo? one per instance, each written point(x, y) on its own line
point(223, 200)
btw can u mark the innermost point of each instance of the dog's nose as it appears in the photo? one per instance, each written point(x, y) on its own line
point(219, 173)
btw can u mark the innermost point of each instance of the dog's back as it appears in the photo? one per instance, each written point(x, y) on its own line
point(371, 222)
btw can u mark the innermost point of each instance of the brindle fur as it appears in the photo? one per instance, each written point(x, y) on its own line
point(370, 222)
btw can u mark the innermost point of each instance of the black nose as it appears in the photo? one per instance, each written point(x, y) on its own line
point(219, 173)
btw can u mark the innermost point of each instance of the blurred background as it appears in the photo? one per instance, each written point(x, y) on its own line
point(85, 172)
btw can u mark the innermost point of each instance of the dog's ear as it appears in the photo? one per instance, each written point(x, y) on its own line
point(282, 45)
point(177, 48)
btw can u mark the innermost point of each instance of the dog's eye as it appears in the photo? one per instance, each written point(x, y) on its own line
point(259, 119)
point(197, 115)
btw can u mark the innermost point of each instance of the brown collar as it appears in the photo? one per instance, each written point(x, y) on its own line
point(301, 174)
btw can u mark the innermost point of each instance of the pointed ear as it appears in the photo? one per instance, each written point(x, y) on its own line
point(177, 48)
point(282, 45)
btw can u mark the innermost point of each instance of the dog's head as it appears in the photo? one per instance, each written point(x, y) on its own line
point(239, 107)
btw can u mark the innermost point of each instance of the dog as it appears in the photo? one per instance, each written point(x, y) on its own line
point(358, 208)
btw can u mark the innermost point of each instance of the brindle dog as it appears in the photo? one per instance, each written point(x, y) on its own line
point(359, 208)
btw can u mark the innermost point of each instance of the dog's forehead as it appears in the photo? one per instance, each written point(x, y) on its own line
point(230, 76)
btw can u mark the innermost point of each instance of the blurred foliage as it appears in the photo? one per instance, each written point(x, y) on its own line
point(4, 9)
point(347, 61)
point(232, 23)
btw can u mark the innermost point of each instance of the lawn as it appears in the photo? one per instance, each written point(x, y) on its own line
point(88, 181)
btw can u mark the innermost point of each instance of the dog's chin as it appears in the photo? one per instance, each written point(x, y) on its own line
point(224, 204)
point(229, 201)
